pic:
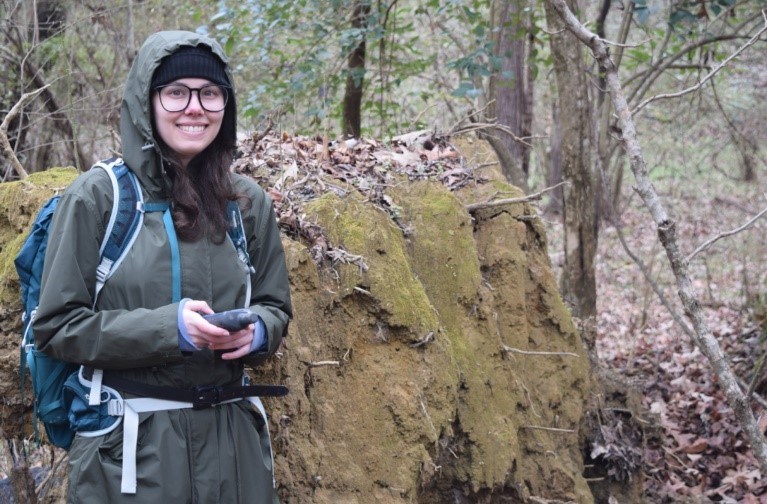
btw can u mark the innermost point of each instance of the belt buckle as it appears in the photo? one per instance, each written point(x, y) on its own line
point(206, 396)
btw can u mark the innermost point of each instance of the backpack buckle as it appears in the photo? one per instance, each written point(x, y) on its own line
point(116, 407)
point(206, 396)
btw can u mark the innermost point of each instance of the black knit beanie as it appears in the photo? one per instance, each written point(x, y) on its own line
point(198, 62)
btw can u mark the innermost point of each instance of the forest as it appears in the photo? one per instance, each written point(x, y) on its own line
point(633, 128)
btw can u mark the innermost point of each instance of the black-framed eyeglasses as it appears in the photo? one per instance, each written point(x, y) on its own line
point(176, 97)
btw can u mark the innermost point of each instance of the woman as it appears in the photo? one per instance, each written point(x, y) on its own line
point(178, 129)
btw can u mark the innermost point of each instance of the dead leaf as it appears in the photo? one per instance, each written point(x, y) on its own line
point(698, 446)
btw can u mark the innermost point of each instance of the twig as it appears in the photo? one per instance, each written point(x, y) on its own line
point(713, 72)
point(756, 397)
point(618, 44)
point(648, 277)
point(495, 126)
point(324, 363)
point(528, 352)
point(259, 135)
point(629, 412)
point(453, 130)
point(755, 378)
point(675, 456)
point(52, 472)
point(426, 339)
point(549, 32)
point(7, 149)
point(473, 207)
point(428, 417)
point(710, 242)
point(529, 398)
point(420, 114)
point(550, 429)
point(540, 500)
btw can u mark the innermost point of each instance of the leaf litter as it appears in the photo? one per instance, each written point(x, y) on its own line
point(297, 170)
point(701, 454)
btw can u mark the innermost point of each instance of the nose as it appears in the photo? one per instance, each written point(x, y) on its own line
point(194, 106)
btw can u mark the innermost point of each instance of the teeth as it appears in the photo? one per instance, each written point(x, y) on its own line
point(192, 129)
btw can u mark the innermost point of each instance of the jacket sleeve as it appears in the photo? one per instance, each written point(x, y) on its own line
point(270, 296)
point(66, 326)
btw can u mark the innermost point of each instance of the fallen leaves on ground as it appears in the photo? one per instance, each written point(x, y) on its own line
point(701, 455)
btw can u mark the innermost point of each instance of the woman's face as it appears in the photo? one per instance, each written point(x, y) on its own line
point(192, 129)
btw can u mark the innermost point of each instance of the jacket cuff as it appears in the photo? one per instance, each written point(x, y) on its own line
point(184, 340)
point(259, 337)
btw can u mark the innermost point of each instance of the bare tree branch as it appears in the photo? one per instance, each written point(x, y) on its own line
point(718, 237)
point(667, 61)
point(473, 207)
point(666, 228)
point(6, 144)
point(509, 349)
point(713, 72)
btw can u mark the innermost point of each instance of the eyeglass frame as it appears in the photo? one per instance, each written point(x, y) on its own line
point(224, 88)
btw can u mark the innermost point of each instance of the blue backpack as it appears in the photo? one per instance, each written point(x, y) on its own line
point(50, 375)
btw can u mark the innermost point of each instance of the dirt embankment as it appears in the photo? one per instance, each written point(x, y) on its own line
point(433, 361)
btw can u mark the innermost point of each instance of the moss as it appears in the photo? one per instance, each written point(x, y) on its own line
point(442, 251)
point(363, 230)
point(19, 203)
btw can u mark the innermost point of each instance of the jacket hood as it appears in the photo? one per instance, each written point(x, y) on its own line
point(139, 149)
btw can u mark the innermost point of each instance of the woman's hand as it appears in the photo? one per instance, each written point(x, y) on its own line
point(206, 335)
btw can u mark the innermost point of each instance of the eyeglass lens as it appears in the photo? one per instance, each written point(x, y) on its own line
point(176, 97)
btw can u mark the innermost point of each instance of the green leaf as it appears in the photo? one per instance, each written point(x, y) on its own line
point(681, 16)
point(642, 15)
point(466, 89)
point(639, 55)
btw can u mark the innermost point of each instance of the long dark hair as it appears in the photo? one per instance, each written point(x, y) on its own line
point(200, 192)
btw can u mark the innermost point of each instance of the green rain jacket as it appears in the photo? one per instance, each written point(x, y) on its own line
point(215, 455)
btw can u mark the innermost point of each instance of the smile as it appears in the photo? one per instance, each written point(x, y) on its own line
point(192, 129)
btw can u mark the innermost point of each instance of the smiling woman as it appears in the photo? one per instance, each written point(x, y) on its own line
point(192, 429)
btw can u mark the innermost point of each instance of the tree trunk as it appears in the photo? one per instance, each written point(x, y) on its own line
point(352, 115)
point(580, 207)
point(554, 173)
point(511, 87)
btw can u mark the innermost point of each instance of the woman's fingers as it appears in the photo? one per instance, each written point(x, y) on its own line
point(235, 341)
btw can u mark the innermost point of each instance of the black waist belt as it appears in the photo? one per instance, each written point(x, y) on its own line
point(203, 396)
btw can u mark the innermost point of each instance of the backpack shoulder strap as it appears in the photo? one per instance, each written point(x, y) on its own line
point(125, 219)
point(236, 232)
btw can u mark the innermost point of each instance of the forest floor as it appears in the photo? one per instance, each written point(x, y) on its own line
point(700, 454)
